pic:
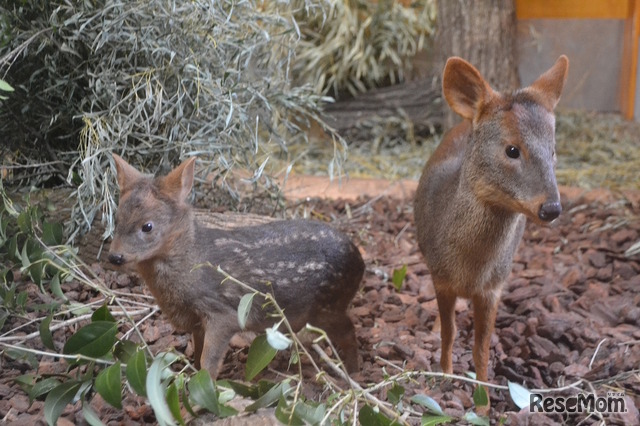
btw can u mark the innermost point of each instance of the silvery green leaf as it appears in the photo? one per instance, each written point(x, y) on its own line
point(244, 309)
point(519, 395)
point(277, 340)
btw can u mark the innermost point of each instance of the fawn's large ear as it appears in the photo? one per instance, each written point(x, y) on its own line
point(464, 88)
point(179, 181)
point(550, 84)
point(127, 175)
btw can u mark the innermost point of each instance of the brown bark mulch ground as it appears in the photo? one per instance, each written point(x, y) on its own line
point(570, 311)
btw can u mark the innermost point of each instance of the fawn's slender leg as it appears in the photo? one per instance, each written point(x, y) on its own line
point(342, 333)
point(198, 341)
point(485, 308)
point(447, 314)
point(217, 334)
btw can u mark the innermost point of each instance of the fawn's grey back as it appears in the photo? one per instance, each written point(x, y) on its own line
point(307, 265)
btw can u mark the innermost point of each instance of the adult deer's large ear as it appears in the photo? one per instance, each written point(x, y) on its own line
point(464, 88)
point(550, 84)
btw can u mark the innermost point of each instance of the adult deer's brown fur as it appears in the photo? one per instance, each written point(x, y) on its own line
point(312, 270)
point(488, 175)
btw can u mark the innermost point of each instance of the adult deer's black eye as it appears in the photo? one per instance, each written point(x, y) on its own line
point(512, 152)
point(147, 227)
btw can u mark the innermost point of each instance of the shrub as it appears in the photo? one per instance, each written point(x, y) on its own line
point(355, 45)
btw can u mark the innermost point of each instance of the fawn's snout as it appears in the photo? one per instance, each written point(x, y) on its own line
point(116, 253)
point(116, 259)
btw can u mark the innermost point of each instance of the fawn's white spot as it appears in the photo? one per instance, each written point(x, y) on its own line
point(311, 266)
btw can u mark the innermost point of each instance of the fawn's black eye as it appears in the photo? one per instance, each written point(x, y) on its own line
point(512, 152)
point(147, 227)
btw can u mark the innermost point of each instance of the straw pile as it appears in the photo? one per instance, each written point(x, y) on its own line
point(594, 150)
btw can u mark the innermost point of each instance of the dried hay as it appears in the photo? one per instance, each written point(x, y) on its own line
point(594, 150)
point(597, 150)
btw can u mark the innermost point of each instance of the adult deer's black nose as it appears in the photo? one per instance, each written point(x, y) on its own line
point(549, 211)
point(116, 259)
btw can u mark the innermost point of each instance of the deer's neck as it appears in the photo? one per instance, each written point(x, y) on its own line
point(490, 235)
point(170, 274)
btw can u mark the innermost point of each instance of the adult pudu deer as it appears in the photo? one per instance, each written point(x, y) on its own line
point(312, 270)
point(488, 175)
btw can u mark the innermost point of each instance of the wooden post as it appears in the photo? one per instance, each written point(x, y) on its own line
point(629, 66)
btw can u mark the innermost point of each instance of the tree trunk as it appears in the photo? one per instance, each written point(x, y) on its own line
point(483, 32)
